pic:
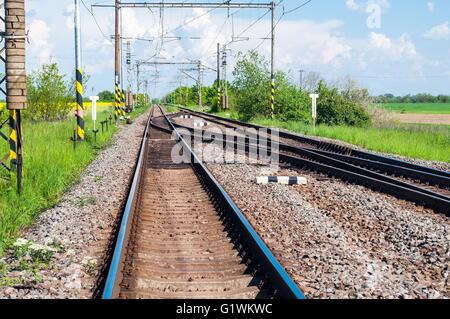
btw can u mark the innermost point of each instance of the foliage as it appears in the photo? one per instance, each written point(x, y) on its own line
point(49, 94)
point(334, 108)
point(250, 85)
point(106, 96)
point(418, 98)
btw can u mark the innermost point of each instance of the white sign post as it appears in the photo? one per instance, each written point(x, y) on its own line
point(94, 100)
point(314, 98)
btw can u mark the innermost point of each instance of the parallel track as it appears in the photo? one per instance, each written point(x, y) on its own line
point(418, 185)
point(182, 237)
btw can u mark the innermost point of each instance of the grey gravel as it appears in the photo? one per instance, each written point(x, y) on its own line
point(83, 221)
point(339, 240)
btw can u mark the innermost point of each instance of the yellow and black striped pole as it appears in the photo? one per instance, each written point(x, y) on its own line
point(79, 74)
point(15, 145)
point(13, 141)
point(117, 102)
point(272, 101)
point(80, 108)
point(122, 108)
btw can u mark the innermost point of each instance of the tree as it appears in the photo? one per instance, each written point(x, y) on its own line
point(106, 96)
point(251, 85)
point(50, 96)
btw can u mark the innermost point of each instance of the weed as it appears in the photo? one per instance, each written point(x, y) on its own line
point(84, 201)
point(89, 265)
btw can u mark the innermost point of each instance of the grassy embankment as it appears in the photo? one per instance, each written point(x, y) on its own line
point(51, 166)
point(418, 108)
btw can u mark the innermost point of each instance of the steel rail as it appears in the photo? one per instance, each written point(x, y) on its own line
point(114, 277)
point(337, 148)
point(284, 285)
point(281, 282)
point(351, 173)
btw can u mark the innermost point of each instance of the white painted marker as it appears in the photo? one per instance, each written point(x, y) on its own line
point(94, 100)
point(314, 98)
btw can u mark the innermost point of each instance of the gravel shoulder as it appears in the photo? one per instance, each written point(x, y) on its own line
point(339, 240)
point(78, 229)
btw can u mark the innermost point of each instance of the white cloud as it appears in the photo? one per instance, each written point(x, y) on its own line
point(395, 50)
point(439, 32)
point(353, 5)
point(40, 45)
point(430, 6)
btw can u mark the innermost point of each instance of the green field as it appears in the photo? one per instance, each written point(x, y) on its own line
point(51, 166)
point(428, 142)
point(419, 108)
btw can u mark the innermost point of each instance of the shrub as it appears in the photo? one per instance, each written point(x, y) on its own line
point(49, 94)
point(334, 109)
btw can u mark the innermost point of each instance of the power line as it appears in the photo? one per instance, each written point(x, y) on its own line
point(96, 22)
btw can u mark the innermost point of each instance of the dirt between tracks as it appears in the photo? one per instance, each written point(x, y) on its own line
point(81, 225)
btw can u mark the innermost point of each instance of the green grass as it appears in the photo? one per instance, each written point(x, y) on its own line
point(419, 108)
point(51, 166)
point(426, 142)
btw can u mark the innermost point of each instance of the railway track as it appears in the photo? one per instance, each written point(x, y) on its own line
point(422, 185)
point(181, 236)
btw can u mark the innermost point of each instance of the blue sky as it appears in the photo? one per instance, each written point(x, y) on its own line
point(395, 46)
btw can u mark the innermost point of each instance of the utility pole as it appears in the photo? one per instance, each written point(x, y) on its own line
point(272, 68)
point(118, 98)
point(138, 80)
point(79, 73)
point(301, 79)
point(224, 72)
point(200, 84)
point(218, 76)
point(128, 68)
point(14, 38)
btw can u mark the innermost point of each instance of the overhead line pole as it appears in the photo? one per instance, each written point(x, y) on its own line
point(218, 76)
point(79, 74)
point(14, 38)
point(272, 67)
point(118, 95)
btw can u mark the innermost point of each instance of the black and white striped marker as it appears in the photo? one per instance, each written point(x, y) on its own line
point(200, 124)
point(285, 180)
point(185, 116)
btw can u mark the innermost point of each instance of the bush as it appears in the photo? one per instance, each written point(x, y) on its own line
point(334, 109)
point(251, 86)
point(106, 96)
point(49, 94)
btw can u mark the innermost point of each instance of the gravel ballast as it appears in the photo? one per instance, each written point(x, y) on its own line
point(339, 240)
point(81, 224)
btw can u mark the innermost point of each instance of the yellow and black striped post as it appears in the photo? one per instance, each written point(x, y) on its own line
point(218, 99)
point(272, 101)
point(117, 102)
point(80, 108)
point(15, 145)
point(122, 107)
point(13, 141)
